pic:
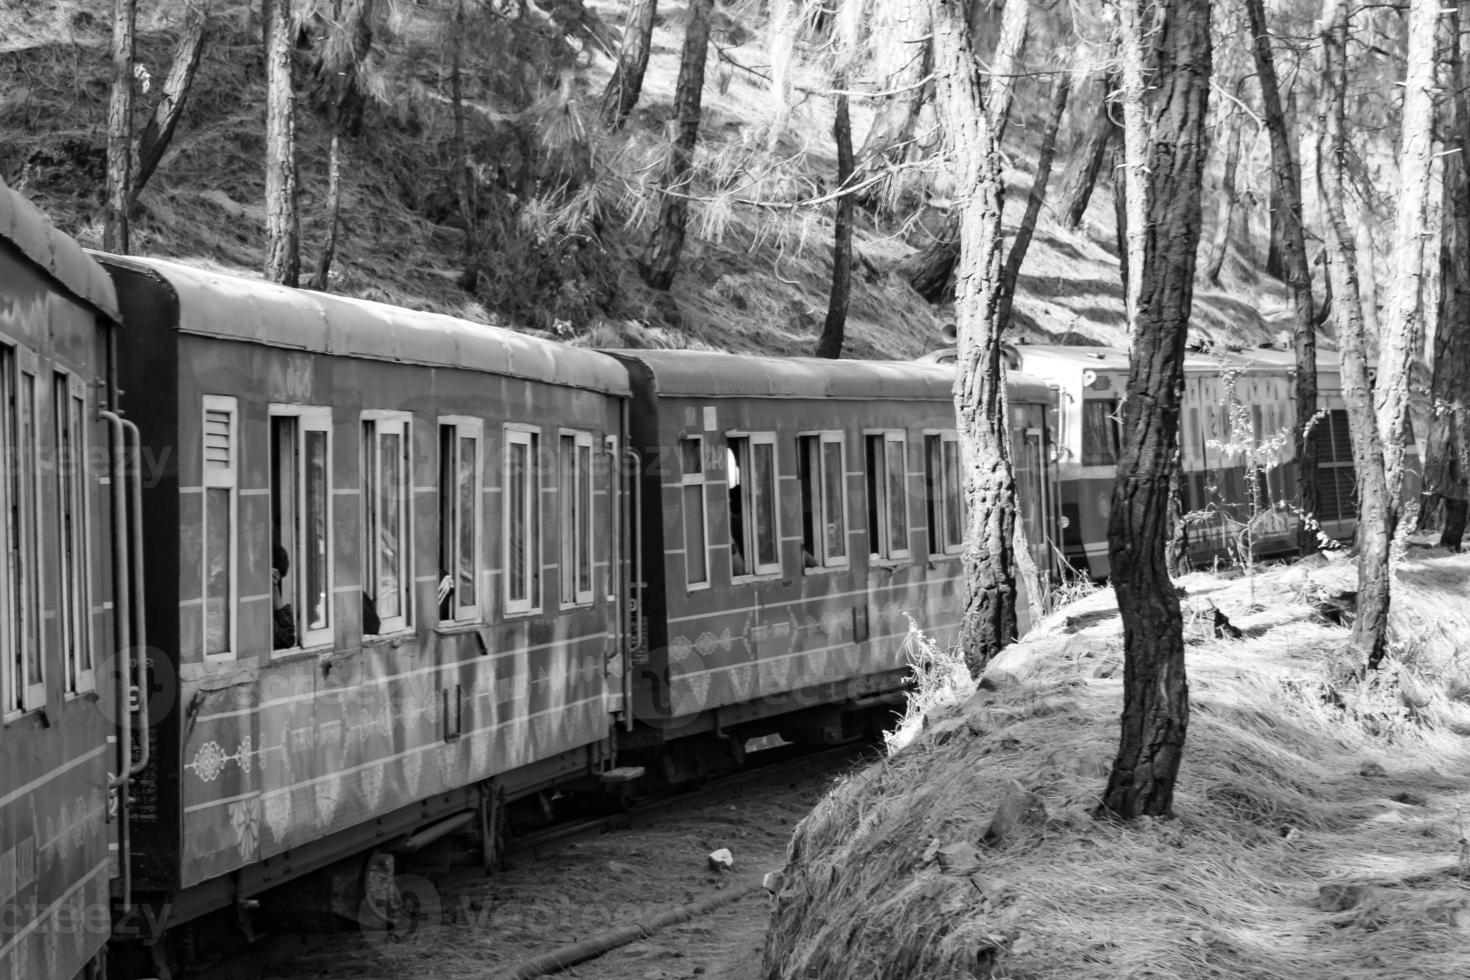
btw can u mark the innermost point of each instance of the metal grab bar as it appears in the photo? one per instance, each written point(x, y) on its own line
point(122, 592)
point(140, 633)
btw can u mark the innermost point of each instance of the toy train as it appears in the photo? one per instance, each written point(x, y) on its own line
point(354, 577)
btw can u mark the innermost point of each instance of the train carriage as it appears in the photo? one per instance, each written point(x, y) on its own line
point(384, 577)
point(60, 761)
point(795, 514)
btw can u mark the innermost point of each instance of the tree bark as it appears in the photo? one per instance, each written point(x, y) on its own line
point(120, 128)
point(1120, 213)
point(1081, 176)
point(989, 620)
point(903, 62)
point(321, 279)
point(1370, 626)
point(932, 271)
point(626, 84)
point(835, 326)
point(469, 210)
point(1061, 86)
point(1286, 184)
point(661, 259)
point(159, 131)
point(339, 86)
point(282, 227)
point(1166, 73)
point(1225, 214)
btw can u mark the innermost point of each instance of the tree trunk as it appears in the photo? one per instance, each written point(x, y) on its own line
point(1286, 183)
point(1061, 85)
point(468, 203)
point(1275, 225)
point(1082, 172)
point(321, 278)
point(120, 128)
point(159, 132)
point(1370, 626)
point(932, 271)
point(903, 62)
point(282, 227)
point(989, 620)
point(1225, 214)
point(830, 344)
point(1176, 552)
point(661, 259)
point(1120, 213)
point(1447, 472)
point(1166, 72)
point(626, 84)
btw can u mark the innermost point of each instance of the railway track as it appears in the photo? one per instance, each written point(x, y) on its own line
point(766, 768)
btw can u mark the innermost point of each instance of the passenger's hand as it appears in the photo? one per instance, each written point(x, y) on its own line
point(446, 586)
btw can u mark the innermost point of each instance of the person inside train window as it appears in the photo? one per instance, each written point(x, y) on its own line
point(445, 596)
point(737, 514)
point(284, 618)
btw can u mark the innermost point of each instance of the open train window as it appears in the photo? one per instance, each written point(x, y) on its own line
point(522, 502)
point(221, 480)
point(460, 519)
point(822, 473)
point(945, 493)
point(1099, 432)
point(612, 519)
point(575, 459)
point(888, 502)
point(301, 526)
point(696, 523)
point(754, 535)
point(23, 681)
point(69, 409)
point(387, 508)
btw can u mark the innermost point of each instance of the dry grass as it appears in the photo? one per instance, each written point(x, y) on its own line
point(1297, 774)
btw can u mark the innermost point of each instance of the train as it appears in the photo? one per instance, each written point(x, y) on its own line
point(298, 584)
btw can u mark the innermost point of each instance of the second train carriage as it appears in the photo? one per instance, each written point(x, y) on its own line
point(795, 514)
point(62, 766)
point(383, 574)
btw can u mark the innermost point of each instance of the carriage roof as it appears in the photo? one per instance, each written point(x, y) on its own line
point(1195, 362)
point(216, 304)
point(66, 262)
point(713, 374)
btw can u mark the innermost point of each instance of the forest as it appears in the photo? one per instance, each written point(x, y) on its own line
point(837, 180)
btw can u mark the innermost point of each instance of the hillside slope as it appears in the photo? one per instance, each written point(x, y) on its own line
point(752, 279)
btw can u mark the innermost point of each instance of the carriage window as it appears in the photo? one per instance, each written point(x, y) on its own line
point(612, 522)
point(70, 414)
point(1099, 432)
point(221, 480)
point(301, 526)
point(576, 518)
point(522, 521)
point(945, 493)
point(24, 679)
point(460, 520)
point(887, 472)
point(387, 498)
point(822, 473)
point(754, 537)
point(691, 480)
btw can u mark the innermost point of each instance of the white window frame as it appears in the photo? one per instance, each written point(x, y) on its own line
point(228, 480)
point(881, 548)
point(472, 429)
point(33, 696)
point(309, 418)
point(390, 422)
point(517, 434)
point(824, 438)
point(610, 551)
point(940, 512)
point(701, 480)
point(575, 549)
point(19, 696)
point(76, 623)
point(754, 569)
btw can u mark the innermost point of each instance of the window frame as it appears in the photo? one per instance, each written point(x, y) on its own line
point(880, 548)
point(613, 533)
point(574, 547)
point(19, 697)
point(936, 505)
point(473, 429)
point(309, 418)
point(701, 480)
point(227, 481)
point(81, 667)
point(33, 694)
point(820, 439)
point(1113, 428)
point(386, 422)
point(517, 433)
point(754, 568)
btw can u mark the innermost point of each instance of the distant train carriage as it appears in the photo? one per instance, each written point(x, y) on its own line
point(383, 575)
point(1244, 397)
point(60, 763)
point(795, 513)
